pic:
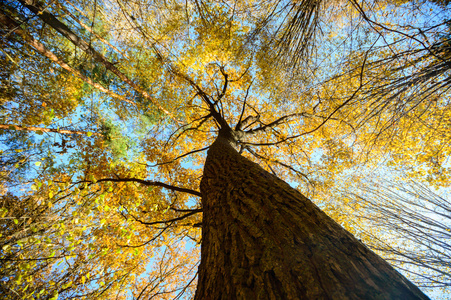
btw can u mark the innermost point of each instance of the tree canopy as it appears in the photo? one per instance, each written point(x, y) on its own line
point(108, 109)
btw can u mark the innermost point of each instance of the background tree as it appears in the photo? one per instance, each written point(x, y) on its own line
point(411, 227)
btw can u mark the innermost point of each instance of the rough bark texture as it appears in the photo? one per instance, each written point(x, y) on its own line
point(262, 239)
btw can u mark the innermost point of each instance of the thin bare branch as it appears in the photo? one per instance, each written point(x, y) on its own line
point(145, 182)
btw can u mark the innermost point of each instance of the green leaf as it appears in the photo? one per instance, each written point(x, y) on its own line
point(3, 212)
point(40, 132)
point(65, 286)
point(24, 266)
point(16, 221)
point(38, 163)
point(89, 133)
point(19, 279)
point(55, 297)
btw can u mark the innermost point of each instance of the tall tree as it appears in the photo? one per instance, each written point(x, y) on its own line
point(262, 239)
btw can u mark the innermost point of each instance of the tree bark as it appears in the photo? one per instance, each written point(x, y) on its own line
point(262, 239)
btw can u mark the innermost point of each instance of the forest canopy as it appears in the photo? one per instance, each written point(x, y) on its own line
point(108, 109)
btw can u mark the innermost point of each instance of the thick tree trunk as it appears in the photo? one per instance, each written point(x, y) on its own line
point(262, 239)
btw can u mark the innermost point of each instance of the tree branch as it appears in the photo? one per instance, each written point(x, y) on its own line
point(274, 123)
point(195, 211)
point(331, 114)
point(179, 157)
point(239, 124)
point(146, 182)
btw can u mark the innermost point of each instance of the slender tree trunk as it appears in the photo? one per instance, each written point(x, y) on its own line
point(36, 7)
point(39, 47)
point(262, 239)
point(43, 129)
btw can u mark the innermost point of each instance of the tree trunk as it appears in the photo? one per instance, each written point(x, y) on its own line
point(43, 129)
point(262, 239)
point(15, 27)
point(40, 10)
